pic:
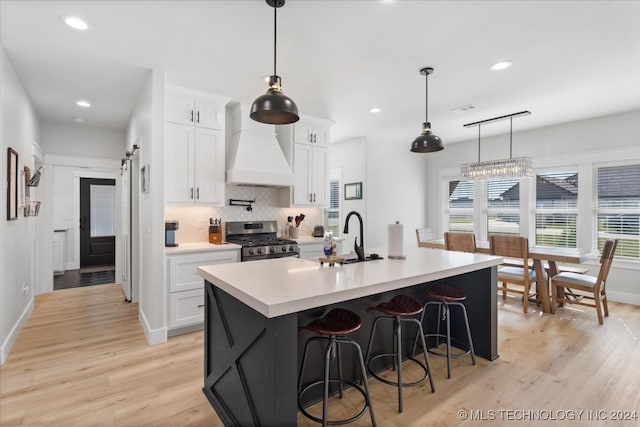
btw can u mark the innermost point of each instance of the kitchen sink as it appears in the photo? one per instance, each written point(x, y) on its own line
point(371, 257)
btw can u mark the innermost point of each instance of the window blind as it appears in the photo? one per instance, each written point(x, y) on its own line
point(556, 209)
point(503, 206)
point(618, 208)
point(332, 214)
point(460, 206)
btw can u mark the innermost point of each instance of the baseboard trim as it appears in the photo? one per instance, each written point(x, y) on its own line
point(153, 336)
point(624, 297)
point(7, 345)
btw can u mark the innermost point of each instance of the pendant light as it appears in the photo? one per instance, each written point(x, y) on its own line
point(512, 167)
point(274, 107)
point(426, 142)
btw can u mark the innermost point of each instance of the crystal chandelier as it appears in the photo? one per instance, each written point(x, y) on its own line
point(502, 168)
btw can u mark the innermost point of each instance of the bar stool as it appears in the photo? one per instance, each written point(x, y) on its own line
point(398, 310)
point(445, 298)
point(334, 325)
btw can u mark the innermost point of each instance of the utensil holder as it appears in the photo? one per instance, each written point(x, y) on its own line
point(294, 232)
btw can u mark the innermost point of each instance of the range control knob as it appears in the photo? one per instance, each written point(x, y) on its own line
point(291, 248)
point(250, 251)
point(272, 250)
point(260, 251)
point(284, 248)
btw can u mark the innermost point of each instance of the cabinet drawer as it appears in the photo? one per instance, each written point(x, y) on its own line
point(186, 308)
point(183, 269)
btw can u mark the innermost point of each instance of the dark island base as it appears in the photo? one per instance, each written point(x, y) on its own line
point(252, 362)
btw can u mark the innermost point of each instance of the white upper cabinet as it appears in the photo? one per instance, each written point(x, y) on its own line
point(189, 107)
point(306, 147)
point(194, 147)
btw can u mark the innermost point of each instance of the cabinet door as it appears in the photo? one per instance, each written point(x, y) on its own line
point(209, 113)
point(179, 108)
point(302, 133)
point(320, 176)
point(186, 308)
point(178, 163)
point(302, 165)
point(209, 167)
point(182, 269)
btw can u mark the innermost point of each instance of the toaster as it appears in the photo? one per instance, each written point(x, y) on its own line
point(318, 231)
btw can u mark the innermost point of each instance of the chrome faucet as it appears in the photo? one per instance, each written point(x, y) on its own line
point(358, 248)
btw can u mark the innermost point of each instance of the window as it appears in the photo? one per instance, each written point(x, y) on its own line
point(461, 206)
point(102, 199)
point(618, 208)
point(503, 206)
point(556, 209)
point(332, 213)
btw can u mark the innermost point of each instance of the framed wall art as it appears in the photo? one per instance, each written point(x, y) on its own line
point(353, 191)
point(12, 184)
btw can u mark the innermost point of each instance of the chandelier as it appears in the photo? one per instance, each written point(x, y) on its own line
point(502, 168)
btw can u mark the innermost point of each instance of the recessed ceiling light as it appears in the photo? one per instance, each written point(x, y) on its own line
point(75, 22)
point(387, 1)
point(502, 65)
point(83, 103)
point(374, 110)
point(78, 119)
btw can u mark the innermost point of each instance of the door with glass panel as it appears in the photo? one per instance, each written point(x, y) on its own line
point(97, 222)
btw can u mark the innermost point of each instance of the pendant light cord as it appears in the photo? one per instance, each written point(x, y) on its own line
point(426, 99)
point(275, 38)
point(510, 138)
point(479, 143)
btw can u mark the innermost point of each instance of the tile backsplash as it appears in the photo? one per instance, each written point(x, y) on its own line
point(194, 220)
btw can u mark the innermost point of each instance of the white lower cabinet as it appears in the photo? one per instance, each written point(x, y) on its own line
point(186, 287)
point(186, 308)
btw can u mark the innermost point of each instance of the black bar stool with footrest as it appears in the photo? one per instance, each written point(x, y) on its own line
point(399, 309)
point(334, 325)
point(445, 298)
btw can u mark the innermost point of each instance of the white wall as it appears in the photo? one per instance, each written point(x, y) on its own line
point(396, 188)
point(146, 128)
point(20, 128)
point(350, 157)
point(80, 140)
point(581, 143)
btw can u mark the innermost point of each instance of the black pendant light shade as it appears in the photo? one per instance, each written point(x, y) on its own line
point(426, 142)
point(274, 107)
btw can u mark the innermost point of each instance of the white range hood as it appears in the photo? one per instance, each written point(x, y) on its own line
point(254, 156)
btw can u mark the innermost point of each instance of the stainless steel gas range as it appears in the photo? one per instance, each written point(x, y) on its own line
point(259, 240)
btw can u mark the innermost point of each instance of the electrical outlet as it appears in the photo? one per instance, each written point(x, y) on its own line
point(25, 288)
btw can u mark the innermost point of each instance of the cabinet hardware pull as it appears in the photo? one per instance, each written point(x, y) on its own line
point(191, 192)
point(200, 305)
point(310, 199)
point(198, 193)
point(314, 197)
point(198, 116)
point(191, 116)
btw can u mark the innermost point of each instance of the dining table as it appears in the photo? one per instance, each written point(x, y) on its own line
point(538, 255)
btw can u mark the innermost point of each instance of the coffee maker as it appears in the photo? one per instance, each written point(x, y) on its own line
point(170, 228)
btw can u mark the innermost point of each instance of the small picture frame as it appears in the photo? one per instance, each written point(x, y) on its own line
point(353, 191)
point(144, 179)
point(12, 184)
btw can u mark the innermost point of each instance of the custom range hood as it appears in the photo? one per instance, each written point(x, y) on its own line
point(254, 156)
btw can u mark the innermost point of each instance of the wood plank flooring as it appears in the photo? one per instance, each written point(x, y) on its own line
point(82, 360)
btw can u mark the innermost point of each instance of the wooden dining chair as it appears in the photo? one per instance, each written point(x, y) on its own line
point(423, 235)
point(461, 242)
point(521, 278)
point(585, 287)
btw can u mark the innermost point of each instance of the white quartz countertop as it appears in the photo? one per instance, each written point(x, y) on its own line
point(200, 247)
point(276, 287)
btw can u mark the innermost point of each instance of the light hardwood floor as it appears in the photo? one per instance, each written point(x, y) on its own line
point(82, 360)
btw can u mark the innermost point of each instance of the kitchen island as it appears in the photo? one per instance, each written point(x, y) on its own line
point(253, 310)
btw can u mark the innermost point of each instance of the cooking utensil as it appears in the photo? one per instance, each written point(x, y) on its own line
point(297, 220)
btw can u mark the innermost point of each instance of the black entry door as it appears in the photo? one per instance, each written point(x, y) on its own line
point(97, 222)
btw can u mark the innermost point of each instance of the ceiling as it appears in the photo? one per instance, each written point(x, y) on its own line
point(571, 59)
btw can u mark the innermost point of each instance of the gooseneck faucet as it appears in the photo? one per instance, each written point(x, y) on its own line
point(358, 248)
